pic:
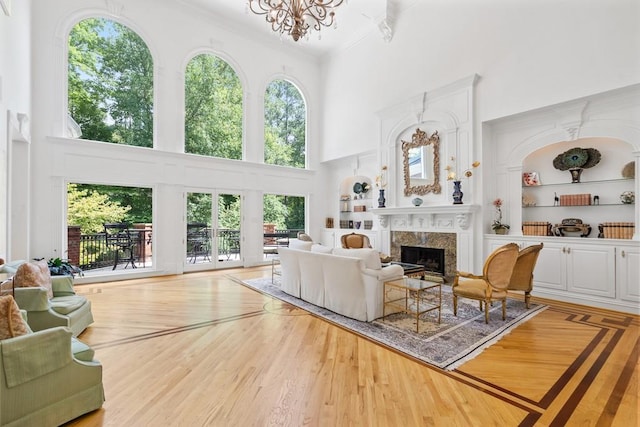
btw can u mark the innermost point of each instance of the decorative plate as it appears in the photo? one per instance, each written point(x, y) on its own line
point(629, 170)
point(357, 188)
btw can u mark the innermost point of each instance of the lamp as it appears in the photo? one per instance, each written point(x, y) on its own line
point(296, 17)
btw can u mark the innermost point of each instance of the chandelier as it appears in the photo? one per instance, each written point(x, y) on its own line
point(296, 17)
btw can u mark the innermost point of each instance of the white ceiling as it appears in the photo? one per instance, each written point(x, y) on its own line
point(355, 20)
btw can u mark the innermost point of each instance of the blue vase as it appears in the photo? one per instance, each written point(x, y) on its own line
point(457, 193)
point(381, 199)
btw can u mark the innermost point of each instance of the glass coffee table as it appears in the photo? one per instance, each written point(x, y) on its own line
point(410, 270)
point(413, 297)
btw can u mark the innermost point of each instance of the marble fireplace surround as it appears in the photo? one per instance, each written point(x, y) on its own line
point(447, 227)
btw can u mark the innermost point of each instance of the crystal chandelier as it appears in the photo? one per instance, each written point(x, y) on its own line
point(296, 17)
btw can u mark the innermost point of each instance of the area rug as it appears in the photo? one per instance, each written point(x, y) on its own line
point(446, 345)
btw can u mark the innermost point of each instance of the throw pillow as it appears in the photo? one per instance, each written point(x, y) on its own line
point(301, 245)
point(11, 323)
point(34, 274)
point(316, 247)
point(370, 257)
point(304, 237)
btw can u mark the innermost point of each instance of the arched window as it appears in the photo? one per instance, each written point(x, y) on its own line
point(213, 108)
point(285, 117)
point(110, 76)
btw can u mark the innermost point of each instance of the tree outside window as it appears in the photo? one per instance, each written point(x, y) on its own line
point(284, 125)
point(110, 82)
point(213, 108)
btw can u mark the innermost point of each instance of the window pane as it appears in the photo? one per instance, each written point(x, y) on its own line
point(285, 125)
point(110, 79)
point(283, 218)
point(213, 108)
point(94, 245)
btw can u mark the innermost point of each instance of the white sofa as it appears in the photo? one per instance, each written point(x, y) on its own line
point(346, 281)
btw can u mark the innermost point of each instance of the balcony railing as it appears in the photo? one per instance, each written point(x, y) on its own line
point(91, 251)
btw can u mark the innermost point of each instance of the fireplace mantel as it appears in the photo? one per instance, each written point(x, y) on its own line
point(461, 212)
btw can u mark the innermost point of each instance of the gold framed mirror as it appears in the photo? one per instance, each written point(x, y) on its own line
point(421, 161)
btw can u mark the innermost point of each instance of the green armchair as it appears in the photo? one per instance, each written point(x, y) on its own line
point(42, 382)
point(66, 308)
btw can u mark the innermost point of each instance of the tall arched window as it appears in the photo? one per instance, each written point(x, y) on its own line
point(110, 74)
point(213, 108)
point(285, 116)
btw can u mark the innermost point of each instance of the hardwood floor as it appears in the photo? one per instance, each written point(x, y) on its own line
point(201, 350)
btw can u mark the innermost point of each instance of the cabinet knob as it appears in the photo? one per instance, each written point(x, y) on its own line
point(568, 250)
point(564, 250)
point(622, 254)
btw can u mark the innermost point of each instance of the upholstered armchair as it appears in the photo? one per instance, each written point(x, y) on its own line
point(522, 277)
point(42, 383)
point(492, 285)
point(355, 241)
point(61, 308)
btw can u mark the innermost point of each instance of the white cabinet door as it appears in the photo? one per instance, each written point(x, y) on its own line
point(591, 269)
point(551, 271)
point(628, 273)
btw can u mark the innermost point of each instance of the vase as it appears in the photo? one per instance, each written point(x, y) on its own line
point(575, 174)
point(381, 199)
point(457, 193)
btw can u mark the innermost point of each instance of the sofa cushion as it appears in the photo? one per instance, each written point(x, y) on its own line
point(68, 304)
point(316, 247)
point(34, 274)
point(300, 245)
point(371, 257)
point(11, 322)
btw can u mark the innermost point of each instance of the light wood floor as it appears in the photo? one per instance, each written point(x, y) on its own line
point(201, 350)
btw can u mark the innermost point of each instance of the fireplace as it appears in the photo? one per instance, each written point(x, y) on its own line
point(432, 258)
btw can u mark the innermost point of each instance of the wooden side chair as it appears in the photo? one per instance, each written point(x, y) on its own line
point(355, 241)
point(522, 277)
point(492, 285)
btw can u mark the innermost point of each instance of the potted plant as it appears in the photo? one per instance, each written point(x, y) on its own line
point(498, 226)
point(62, 267)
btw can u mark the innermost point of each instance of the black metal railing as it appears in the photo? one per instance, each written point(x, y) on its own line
point(96, 253)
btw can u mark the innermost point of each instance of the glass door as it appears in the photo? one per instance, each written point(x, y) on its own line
point(212, 234)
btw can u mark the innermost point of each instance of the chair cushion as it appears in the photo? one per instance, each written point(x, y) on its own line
point(68, 304)
point(476, 289)
point(34, 274)
point(11, 322)
point(81, 351)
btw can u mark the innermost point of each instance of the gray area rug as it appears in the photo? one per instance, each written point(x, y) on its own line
point(446, 345)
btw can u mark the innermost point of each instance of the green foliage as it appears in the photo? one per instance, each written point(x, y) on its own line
point(110, 79)
point(285, 125)
point(213, 108)
point(90, 209)
point(138, 201)
point(62, 267)
point(287, 212)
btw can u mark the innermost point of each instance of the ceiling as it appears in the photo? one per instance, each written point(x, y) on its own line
point(355, 20)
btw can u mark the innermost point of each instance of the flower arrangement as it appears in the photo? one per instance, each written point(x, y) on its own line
point(452, 175)
point(381, 180)
point(497, 223)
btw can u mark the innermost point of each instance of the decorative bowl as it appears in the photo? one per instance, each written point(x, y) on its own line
point(417, 201)
point(628, 197)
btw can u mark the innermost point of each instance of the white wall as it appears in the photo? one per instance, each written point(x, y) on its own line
point(15, 97)
point(528, 53)
point(174, 34)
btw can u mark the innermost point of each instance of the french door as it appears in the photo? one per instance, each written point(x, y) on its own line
point(213, 236)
